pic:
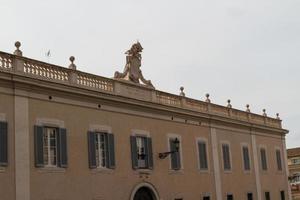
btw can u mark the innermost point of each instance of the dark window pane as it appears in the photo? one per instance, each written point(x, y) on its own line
point(278, 158)
point(267, 195)
point(282, 195)
point(226, 157)
point(263, 157)
point(202, 155)
point(249, 196)
point(229, 197)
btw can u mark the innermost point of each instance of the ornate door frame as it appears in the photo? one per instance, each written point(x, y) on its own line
point(147, 185)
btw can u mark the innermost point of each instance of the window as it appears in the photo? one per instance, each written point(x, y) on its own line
point(278, 159)
point(101, 150)
point(296, 161)
point(141, 152)
point(246, 158)
point(229, 196)
point(175, 156)
point(203, 165)
point(50, 147)
point(282, 195)
point(249, 196)
point(267, 195)
point(206, 198)
point(226, 157)
point(3, 143)
point(263, 159)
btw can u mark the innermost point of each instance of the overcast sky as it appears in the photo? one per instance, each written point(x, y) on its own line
point(246, 51)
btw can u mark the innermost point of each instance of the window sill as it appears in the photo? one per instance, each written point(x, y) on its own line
point(227, 171)
point(2, 169)
point(179, 171)
point(102, 171)
point(52, 170)
point(143, 171)
point(203, 171)
point(247, 171)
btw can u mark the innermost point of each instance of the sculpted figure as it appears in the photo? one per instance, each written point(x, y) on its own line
point(132, 69)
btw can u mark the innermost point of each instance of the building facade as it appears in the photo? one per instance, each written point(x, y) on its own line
point(69, 135)
point(294, 169)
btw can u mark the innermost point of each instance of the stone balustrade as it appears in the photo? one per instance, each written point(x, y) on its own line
point(17, 64)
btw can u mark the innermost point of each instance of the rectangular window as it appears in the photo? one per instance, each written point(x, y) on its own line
point(206, 198)
point(141, 152)
point(267, 195)
point(226, 156)
point(3, 144)
point(278, 159)
point(202, 155)
point(249, 196)
point(50, 147)
point(263, 159)
point(101, 150)
point(246, 158)
point(282, 195)
point(229, 196)
point(175, 155)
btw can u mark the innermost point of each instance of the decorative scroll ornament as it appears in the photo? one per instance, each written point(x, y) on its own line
point(132, 71)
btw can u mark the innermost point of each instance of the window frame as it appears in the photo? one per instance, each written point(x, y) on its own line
point(45, 128)
point(230, 156)
point(205, 141)
point(277, 149)
point(173, 136)
point(243, 158)
point(263, 147)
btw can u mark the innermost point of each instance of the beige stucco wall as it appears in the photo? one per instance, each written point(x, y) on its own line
point(7, 175)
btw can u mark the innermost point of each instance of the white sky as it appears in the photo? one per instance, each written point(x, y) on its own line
point(247, 51)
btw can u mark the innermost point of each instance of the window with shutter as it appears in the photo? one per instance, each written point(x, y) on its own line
point(141, 150)
point(175, 156)
point(50, 147)
point(263, 158)
point(278, 158)
point(246, 158)
point(226, 157)
point(3, 144)
point(202, 155)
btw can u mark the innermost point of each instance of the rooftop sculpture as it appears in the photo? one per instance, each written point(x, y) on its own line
point(132, 71)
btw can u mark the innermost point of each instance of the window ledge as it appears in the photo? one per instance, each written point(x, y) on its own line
point(52, 170)
point(102, 171)
point(172, 171)
point(203, 171)
point(247, 171)
point(2, 169)
point(143, 171)
point(227, 171)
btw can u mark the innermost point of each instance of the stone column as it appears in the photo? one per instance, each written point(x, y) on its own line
point(256, 166)
point(22, 148)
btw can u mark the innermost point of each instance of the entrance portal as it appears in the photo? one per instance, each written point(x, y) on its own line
point(144, 193)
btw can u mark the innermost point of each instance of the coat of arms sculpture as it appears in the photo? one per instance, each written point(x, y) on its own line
point(132, 71)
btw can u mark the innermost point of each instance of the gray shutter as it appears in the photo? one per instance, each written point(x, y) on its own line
point(38, 146)
point(3, 143)
point(111, 151)
point(246, 158)
point(202, 155)
point(149, 153)
point(62, 154)
point(226, 157)
point(92, 150)
point(134, 158)
point(175, 157)
point(278, 157)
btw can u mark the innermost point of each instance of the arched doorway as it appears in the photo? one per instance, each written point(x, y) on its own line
point(144, 191)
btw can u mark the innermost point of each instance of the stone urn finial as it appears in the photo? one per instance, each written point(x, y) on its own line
point(248, 108)
point(72, 65)
point(18, 52)
point(277, 116)
point(182, 91)
point(207, 98)
point(264, 113)
point(228, 104)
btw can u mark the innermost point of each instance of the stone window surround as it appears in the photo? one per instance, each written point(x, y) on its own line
point(104, 129)
point(205, 140)
point(277, 148)
point(56, 123)
point(173, 136)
